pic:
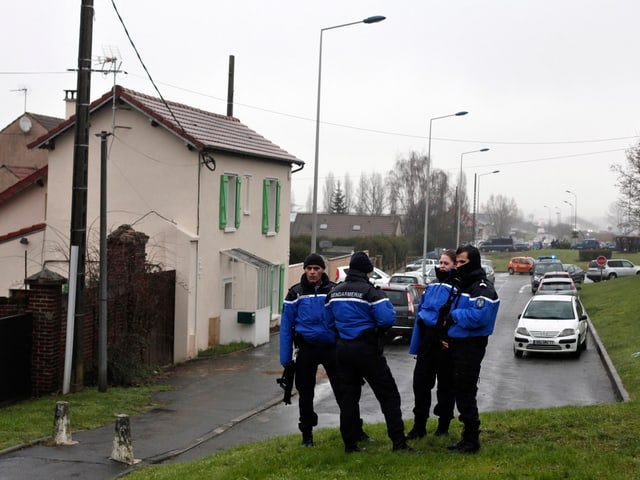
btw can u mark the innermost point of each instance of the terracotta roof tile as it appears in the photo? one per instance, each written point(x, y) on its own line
point(203, 129)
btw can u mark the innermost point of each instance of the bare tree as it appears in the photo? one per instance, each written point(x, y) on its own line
point(629, 184)
point(348, 194)
point(502, 213)
point(372, 195)
point(328, 191)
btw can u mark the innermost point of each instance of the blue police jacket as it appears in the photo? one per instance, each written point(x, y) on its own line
point(355, 305)
point(303, 314)
point(433, 298)
point(475, 310)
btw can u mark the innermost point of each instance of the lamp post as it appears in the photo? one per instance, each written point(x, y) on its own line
point(460, 192)
point(571, 209)
point(314, 220)
point(426, 190)
point(548, 216)
point(575, 211)
point(476, 181)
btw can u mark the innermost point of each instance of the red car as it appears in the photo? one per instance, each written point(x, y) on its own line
point(520, 265)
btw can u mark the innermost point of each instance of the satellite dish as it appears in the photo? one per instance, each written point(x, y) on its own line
point(25, 124)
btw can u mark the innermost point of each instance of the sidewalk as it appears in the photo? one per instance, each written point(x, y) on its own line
point(210, 397)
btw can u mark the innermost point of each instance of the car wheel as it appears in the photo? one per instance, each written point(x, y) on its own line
point(584, 344)
point(517, 353)
point(511, 271)
point(612, 276)
point(578, 352)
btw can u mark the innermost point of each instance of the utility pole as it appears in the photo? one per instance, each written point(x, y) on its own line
point(79, 188)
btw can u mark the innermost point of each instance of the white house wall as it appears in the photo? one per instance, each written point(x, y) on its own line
point(153, 186)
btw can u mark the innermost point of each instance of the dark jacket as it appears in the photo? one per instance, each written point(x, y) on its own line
point(475, 310)
point(355, 305)
point(303, 314)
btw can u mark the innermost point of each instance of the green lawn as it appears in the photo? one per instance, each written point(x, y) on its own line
point(594, 442)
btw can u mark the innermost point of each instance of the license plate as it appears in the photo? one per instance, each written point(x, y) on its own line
point(543, 342)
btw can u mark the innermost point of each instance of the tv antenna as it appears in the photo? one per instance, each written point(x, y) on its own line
point(24, 90)
point(110, 62)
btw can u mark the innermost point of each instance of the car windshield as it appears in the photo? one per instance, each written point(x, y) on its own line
point(556, 286)
point(547, 267)
point(403, 279)
point(398, 298)
point(549, 310)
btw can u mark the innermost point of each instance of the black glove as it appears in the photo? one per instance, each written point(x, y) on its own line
point(444, 322)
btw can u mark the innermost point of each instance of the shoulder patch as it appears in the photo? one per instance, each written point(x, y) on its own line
point(480, 302)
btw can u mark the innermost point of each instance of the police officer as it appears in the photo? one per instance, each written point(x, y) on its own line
point(433, 361)
point(302, 324)
point(361, 314)
point(468, 326)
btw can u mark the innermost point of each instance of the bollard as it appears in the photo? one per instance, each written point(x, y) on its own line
point(61, 431)
point(122, 449)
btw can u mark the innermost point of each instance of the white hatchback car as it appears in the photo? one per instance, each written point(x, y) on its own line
point(377, 277)
point(551, 324)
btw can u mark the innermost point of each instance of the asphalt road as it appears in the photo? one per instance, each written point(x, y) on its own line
point(506, 382)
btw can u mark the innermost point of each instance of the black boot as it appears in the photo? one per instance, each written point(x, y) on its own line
point(470, 442)
point(443, 427)
point(401, 446)
point(307, 439)
point(419, 429)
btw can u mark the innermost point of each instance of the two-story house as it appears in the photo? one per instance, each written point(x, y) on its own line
point(206, 189)
point(23, 187)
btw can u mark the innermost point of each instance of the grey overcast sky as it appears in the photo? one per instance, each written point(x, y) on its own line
point(551, 86)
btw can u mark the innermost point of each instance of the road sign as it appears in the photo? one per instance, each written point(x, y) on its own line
point(602, 260)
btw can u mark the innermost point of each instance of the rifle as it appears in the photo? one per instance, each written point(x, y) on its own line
point(286, 381)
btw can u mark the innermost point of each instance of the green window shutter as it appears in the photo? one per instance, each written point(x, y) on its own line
point(224, 187)
point(278, 188)
point(266, 183)
point(238, 206)
point(282, 290)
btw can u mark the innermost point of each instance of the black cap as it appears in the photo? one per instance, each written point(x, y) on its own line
point(360, 261)
point(314, 259)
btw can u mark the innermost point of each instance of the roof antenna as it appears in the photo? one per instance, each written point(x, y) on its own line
point(23, 89)
point(110, 62)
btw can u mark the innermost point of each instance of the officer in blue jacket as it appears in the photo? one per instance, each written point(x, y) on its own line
point(361, 313)
point(432, 360)
point(302, 324)
point(468, 325)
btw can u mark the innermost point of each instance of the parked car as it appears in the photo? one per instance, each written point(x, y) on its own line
point(486, 261)
point(613, 268)
point(551, 324)
point(409, 278)
point(377, 277)
point(540, 267)
point(576, 273)
point(557, 285)
point(520, 265)
point(504, 244)
point(417, 264)
point(587, 244)
point(491, 275)
point(405, 299)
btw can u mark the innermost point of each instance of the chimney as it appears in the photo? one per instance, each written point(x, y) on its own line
point(70, 103)
point(230, 86)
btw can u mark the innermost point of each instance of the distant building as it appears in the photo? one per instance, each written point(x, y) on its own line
point(332, 225)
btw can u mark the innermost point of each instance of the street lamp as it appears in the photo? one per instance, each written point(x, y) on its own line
point(426, 190)
point(575, 206)
point(571, 210)
point(460, 192)
point(314, 225)
point(476, 181)
point(548, 216)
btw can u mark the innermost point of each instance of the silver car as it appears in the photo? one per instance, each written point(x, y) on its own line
point(613, 268)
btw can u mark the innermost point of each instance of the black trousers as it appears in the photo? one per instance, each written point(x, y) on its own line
point(433, 363)
point(310, 356)
point(467, 355)
point(357, 360)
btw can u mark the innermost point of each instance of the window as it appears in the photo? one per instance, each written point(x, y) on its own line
point(323, 226)
point(229, 202)
point(270, 206)
point(355, 228)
